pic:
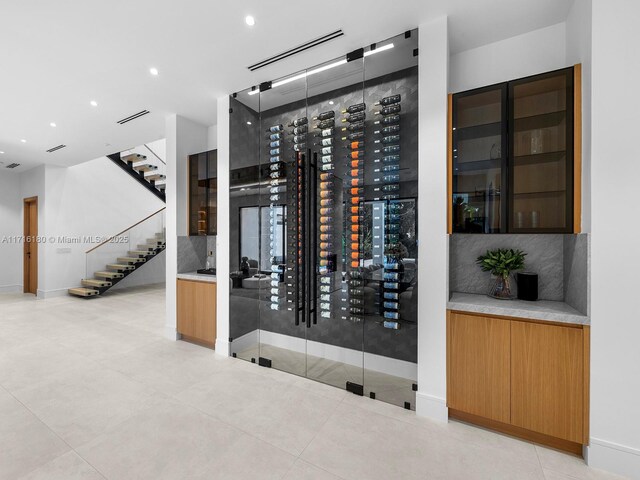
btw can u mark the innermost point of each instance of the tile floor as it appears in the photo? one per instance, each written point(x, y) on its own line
point(90, 389)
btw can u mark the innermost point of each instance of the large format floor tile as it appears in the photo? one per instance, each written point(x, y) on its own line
point(92, 390)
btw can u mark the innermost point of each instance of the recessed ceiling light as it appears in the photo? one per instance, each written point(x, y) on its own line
point(248, 123)
point(153, 71)
point(53, 124)
point(249, 20)
point(1, 153)
point(23, 141)
point(93, 103)
point(330, 102)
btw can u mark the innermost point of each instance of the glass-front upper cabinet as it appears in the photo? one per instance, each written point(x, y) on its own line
point(479, 160)
point(541, 175)
point(203, 188)
point(512, 154)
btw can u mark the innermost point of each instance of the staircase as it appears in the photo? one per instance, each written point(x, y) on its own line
point(143, 171)
point(120, 268)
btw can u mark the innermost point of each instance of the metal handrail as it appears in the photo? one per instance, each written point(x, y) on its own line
point(125, 230)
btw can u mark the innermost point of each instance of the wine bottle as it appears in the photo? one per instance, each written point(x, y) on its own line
point(388, 129)
point(299, 130)
point(325, 124)
point(354, 127)
point(325, 115)
point(327, 132)
point(358, 107)
point(355, 172)
point(393, 187)
point(275, 136)
point(325, 219)
point(392, 315)
point(391, 158)
point(388, 120)
point(389, 100)
point(390, 285)
point(391, 296)
point(274, 159)
point(354, 117)
point(390, 110)
point(356, 311)
point(325, 280)
point(325, 142)
point(390, 305)
point(326, 246)
point(326, 185)
point(356, 182)
point(326, 193)
point(353, 136)
point(356, 200)
point(355, 282)
point(299, 138)
point(354, 237)
point(356, 154)
point(395, 177)
point(391, 168)
point(326, 202)
point(355, 246)
point(327, 150)
point(389, 139)
point(300, 147)
point(325, 177)
point(354, 145)
point(356, 301)
point(298, 122)
point(324, 254)
point(356, 191)
point(274, 151)
point(274, 129)
point(274, 166)
point(356, 163)
point(389, 276)
point(389, 149)
point(393, 217)
point(274, 144)
point(326, 158)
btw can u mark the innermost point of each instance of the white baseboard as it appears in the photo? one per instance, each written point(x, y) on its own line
point(222, 347)
point(430, 406)
point(58, 292)
point(10, 288)
point(614, 458)
point(377, 363)
point(171, 333)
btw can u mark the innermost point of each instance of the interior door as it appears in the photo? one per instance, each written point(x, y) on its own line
point(335, 334)
point(30, 263)
point(283, 247)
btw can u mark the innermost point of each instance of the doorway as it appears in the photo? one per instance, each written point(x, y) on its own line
point(30, 263)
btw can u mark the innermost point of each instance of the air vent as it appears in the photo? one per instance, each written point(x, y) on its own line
point(298, 49)
point(51, 150)
point(13, 165)
point(133, 117)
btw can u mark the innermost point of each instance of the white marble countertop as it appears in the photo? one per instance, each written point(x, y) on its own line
point(199, 277)
point(539, 310)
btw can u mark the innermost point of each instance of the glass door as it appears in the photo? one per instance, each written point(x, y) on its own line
point(389, 213)
point(283, 285)
point(335, 334)
point(479, 160)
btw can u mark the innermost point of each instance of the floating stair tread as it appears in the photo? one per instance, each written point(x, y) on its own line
point(142, 253)
point(93, 282)
point(120, 266)
point(108, 274)
point(133, 157)
point(155, 177)
point(83, 292)
point(145, 167)
point(131, 260)
point(155, 241)
point(147, 246)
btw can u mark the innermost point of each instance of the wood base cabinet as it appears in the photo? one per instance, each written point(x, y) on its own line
point(196, 311)
point(525, 378)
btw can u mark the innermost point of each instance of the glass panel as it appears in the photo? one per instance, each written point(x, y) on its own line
point(244, 233)
point(212, 192)
point(388, 229)
point(283, 166)
point(541, 178)
point(335, 356)
point(479, 152)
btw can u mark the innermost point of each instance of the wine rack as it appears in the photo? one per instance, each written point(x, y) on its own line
point(354, 195)
point(277, 170)
point(324, 133)
point(388, 143)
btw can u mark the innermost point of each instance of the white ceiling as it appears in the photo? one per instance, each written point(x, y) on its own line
point(57, 56)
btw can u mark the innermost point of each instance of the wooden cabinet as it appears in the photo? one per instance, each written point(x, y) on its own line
point(525, 378)
point(479, 378)
point(514, 157)
point(196, 311)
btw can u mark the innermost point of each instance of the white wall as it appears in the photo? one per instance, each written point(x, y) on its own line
point(11, 224)
point(615, 331)
point(433, 247)
point(183, 138)
point(527, 54)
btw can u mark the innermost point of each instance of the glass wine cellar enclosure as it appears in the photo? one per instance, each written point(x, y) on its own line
point(323, 231)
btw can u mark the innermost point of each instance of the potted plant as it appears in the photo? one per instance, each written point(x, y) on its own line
point(500, 263)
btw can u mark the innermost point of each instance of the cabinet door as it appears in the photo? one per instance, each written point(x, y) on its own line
point(547, 379)
point(197, 310)
point(479, 153)
point(541, 146)
point(478, 373)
